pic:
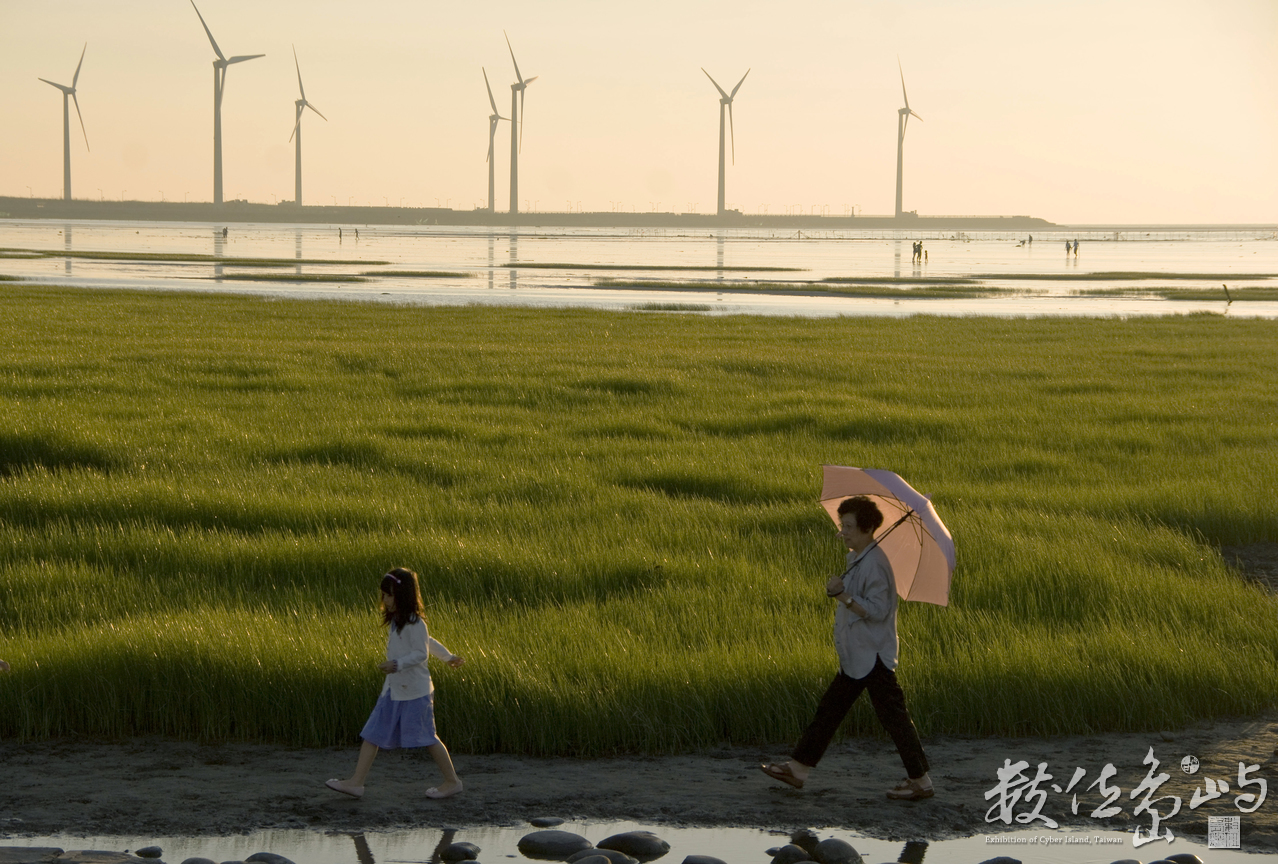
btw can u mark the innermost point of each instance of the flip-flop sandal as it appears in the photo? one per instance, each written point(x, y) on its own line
point(336, 786)
point(783, 773)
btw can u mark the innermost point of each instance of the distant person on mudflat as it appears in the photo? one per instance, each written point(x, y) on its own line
point(1068, 247)
point(1075, 247)
point(866, 642)
point(1031, 239)
point(404, 715)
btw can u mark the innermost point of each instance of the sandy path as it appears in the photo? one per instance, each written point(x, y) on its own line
point(164, 788)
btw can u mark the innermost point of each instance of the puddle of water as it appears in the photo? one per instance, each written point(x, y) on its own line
point(733, 845)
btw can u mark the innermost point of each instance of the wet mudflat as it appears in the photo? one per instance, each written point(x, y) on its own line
point(1115, 273)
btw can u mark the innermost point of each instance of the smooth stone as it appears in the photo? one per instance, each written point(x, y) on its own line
point(643, 845)
point(834, 851)
point(1125, 861)
point(545, 821)
point(98, 856)
point(199, 861)
point(806, 839)
point(611, 854)
point(28, 854)
point(149, 852)
point(789, 854)
point(267, 858)
point(594, 859)
point(552, 845)
point(460, 852)
point(1184, 858)
point(1002, 859)
point(703, 859)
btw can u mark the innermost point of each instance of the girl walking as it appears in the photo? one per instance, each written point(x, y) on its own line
point(404, 715)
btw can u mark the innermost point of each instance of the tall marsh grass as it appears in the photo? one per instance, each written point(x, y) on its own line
point(614, 517)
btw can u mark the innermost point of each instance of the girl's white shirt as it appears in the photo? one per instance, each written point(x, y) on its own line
point(409, 648)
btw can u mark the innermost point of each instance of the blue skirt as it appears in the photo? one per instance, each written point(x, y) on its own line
point(410, 723)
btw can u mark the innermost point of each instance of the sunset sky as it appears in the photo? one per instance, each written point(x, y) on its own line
point(1124, 111)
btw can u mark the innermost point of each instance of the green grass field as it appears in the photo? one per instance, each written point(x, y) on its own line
point(614, 517)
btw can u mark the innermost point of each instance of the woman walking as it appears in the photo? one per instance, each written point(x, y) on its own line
point(404, 715)
point(865, 638)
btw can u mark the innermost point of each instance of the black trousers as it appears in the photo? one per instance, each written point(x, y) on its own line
point(889, 705)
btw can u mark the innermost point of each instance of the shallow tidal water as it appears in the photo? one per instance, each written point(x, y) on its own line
point(492, 267)
point(733, 845)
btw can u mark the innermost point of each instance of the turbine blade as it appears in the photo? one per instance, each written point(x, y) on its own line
point(240, 58)
point(530, 80)
point(715, 83)
point(61, 87)
point(212, 41)
point(316, 110)
point(903, 93)
point(491, 100)
point(297, 124)
point(300, 88)
point(512, 58)
point(920, 118)
point(81, 116)
point(733, 129)
point(738, 87)
point(78, 65)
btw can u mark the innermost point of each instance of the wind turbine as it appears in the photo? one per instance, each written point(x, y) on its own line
point(516, 127)
point(219, 83)
point(902, 118)
point(66, 124)
point(302, 105)
point(492, 142)
point(725, 101)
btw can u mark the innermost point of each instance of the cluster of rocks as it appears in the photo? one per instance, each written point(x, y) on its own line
point(145, 855)
point(631, 847)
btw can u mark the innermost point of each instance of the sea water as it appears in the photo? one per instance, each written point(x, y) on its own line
point(491, 267)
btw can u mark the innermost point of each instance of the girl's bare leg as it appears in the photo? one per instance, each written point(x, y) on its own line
point(452, 783)
point(354, 785)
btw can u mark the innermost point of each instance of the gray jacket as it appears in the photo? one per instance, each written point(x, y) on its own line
point(858, 640)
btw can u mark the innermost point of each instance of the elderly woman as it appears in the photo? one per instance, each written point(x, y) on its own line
point(865, 639)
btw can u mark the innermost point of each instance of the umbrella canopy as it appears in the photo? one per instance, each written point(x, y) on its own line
point(916, 541)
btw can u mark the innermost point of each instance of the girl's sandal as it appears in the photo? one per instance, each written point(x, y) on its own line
point(433, 792)
point(340, 786)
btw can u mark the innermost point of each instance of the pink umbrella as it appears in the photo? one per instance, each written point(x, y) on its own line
point(913, 536)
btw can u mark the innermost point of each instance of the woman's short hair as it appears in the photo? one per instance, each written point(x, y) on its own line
point(868, 515)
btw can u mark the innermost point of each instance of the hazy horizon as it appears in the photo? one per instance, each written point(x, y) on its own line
point(1123, 112)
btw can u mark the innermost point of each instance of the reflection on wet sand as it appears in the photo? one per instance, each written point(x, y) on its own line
point(66, 237)
point(219, 251)
point(514, 259)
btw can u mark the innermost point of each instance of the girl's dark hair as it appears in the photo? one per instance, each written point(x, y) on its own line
point(402, 585)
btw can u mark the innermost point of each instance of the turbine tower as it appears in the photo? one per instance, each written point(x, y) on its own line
point(302, 105)
point(66, 124)
point(902, 118)
point(492, 143)
point(219, 82)
point(725, 101)
point(516, 127)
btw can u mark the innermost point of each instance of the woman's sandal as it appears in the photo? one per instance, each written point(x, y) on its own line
point(783, 773)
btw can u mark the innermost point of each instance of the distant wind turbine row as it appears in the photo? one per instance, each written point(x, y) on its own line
point(517, 92)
